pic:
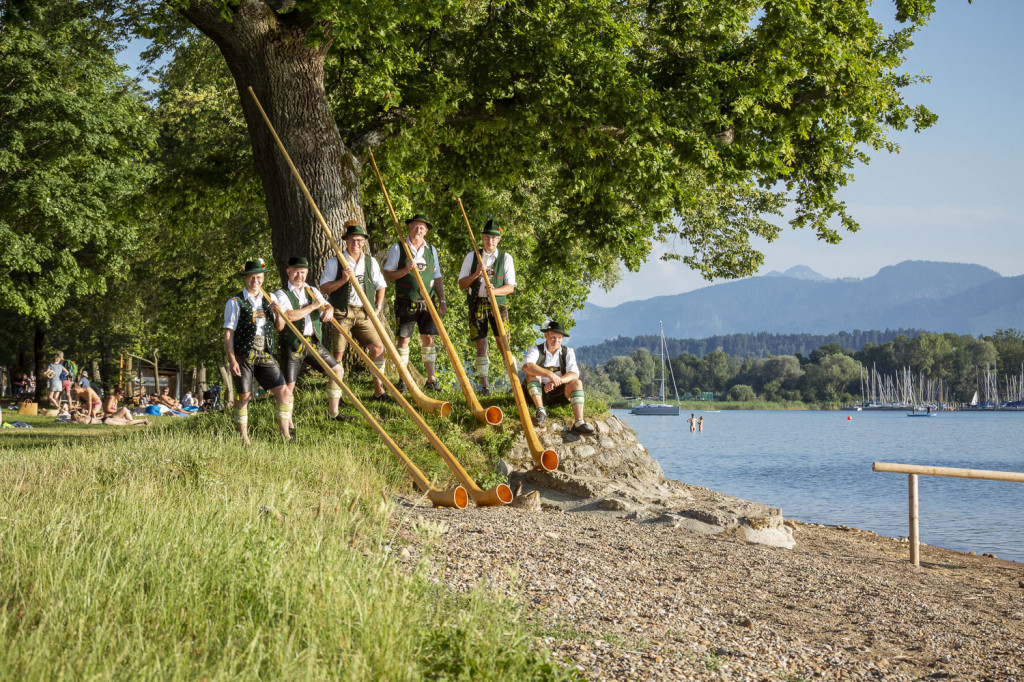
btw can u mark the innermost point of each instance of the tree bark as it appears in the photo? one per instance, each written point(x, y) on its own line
point(229, 386)
point(96, 377)
point(39, 355)
point(273, 54)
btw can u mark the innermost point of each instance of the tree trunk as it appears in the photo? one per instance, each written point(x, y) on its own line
point(273, 54)
point(95, 375)
point(229, 386)
point(39, 354)
point(129, 375)
point(156, 374)
point(201, 381)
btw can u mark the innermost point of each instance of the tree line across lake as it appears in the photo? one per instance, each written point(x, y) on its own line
point(828, 374)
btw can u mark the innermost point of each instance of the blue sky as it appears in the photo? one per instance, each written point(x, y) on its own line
point(952, 194)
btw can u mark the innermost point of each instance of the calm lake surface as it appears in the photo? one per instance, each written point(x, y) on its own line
point(816, 466)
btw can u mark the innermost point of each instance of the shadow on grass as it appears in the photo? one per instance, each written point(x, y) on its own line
point(48, 431)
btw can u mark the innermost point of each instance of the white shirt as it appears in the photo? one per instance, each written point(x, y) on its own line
point(359, 270)
point(281, 298)
point(232, 310)
point(553, 360)
point(418, 257)
point(489, 259)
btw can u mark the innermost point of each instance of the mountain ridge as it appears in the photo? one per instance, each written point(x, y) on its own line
point(964, 298)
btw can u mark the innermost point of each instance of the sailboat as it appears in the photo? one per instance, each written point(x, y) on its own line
point(662, 407)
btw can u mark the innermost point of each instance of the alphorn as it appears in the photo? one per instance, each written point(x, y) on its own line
point(490, 415)
point(440, 408)
point(544, 459)
point(452, 497)
point(498, 495)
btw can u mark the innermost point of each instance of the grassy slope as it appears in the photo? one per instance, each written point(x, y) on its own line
point(176, 552)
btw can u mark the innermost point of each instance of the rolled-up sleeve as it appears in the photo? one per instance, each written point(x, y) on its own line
point(231, 310)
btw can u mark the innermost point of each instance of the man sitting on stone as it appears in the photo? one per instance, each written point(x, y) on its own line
point(553, 378)
point(348, 307)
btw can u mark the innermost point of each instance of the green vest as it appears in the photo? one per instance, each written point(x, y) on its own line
point(288, 339)
point(245, 330)
point(497, 281)
point(563, 351)
point(406, 287)
point(339, 297)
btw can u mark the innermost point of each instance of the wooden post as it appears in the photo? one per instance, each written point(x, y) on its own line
point(915, 549)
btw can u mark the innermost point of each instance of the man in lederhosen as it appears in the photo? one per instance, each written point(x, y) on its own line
point(348, 307)
point(249, 344)
point(553, 378)
point(410, 310)
point(304, 311)
point(501, 270)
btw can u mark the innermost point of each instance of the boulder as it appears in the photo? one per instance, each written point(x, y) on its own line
point(611, 473)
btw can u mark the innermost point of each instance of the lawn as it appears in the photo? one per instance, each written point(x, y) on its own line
point(175, 552)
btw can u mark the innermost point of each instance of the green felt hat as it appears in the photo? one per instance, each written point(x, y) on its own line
point(554, 326)
point(253, 267)
point(355, 230)
point(298, 262)
point(492, 228)
point(419, 217)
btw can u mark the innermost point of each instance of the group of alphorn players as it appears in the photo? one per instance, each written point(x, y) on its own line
point(262, 346)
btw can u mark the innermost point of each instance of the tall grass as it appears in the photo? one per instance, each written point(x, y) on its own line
point(179, 553)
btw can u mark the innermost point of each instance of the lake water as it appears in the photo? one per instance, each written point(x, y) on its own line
point(816, 466)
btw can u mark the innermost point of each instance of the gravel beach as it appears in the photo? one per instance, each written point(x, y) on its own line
point(626, 600)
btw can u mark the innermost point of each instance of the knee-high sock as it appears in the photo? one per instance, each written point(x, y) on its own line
point(333, 390)
point(576, 397)
point(483, 366)
point(403, 356)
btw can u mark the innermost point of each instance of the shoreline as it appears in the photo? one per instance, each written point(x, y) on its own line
point(624, 600)
point(883, 513)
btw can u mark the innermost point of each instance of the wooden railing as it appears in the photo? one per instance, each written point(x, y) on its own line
point(914, 470)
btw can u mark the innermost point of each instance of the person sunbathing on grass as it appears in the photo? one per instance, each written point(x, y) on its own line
point(93, 404)
point(166, 399)
point(124, 418)
point(111, 411)
point(119, 419)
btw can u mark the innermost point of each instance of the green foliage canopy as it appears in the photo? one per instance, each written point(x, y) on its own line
point(74, 145)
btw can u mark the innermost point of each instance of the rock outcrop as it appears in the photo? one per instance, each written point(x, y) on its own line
point(611, 473)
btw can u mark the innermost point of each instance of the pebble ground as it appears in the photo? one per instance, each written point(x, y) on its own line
point(621, 600)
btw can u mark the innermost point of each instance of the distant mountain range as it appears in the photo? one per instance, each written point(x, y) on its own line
point(938, 297)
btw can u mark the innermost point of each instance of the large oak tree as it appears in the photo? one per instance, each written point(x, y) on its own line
point(589, 128)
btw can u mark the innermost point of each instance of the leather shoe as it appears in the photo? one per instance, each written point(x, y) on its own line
point(432, 385)
point(383, 398)
point(582, 428)
point(343, 418)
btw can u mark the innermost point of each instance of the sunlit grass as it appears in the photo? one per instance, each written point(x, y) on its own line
point(175, 552)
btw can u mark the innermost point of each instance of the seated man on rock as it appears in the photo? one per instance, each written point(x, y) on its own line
point(551, 366)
